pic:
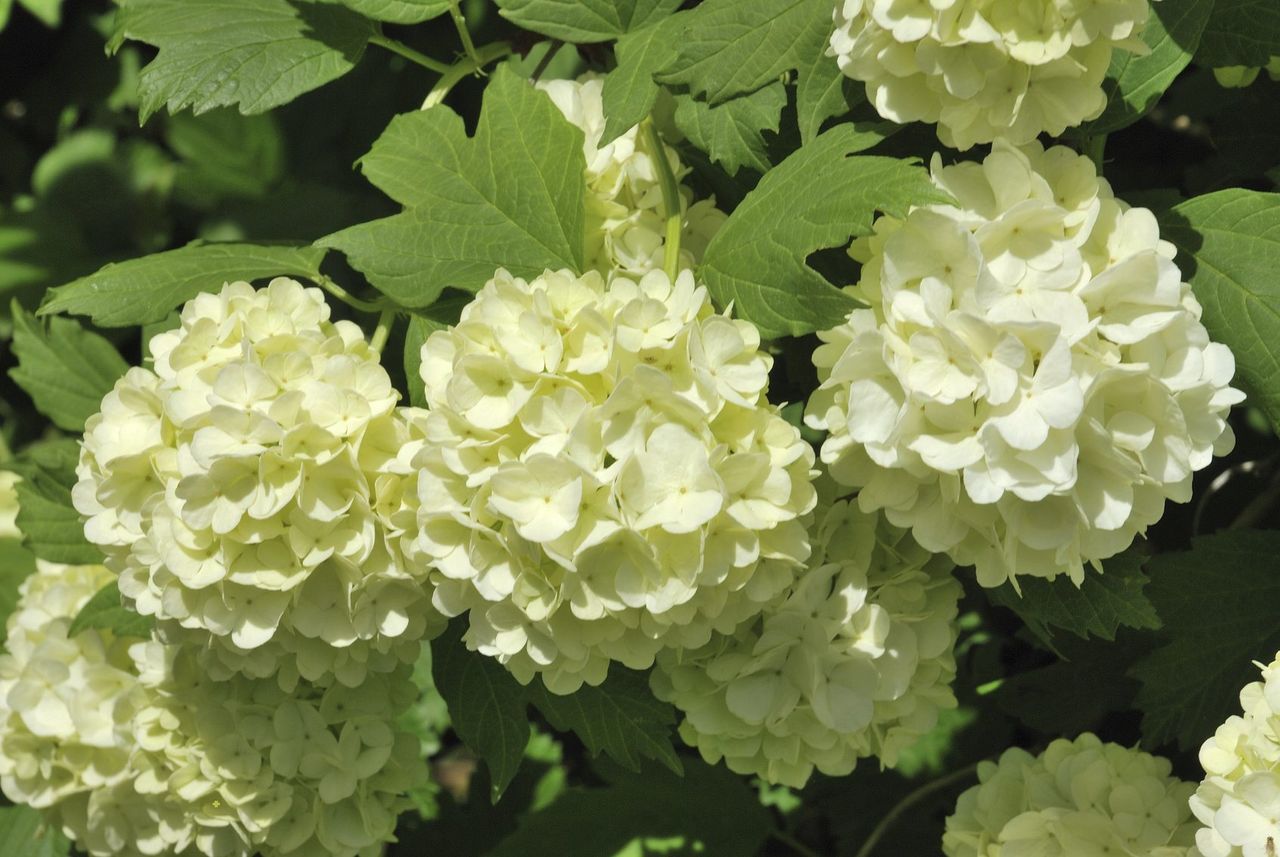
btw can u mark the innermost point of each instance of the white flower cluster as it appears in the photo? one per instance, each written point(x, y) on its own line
point(985, 69)
point(1239, 799)
point(1080, 798)
point(626, 229)
point(856, 661)
point(243, 489)
point(1237, 76)
point(1031, 380)
point(603, 476)
point(132, 751)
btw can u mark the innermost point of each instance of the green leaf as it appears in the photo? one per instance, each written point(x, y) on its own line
point(486, 705)
point(1240, 32)
point(25, 832)
point(509, 197)
point(396, 11)
point(1229, 243)
point(105, 612)
point(727, 47)
point(1100, 606)
point(584, 21)
point(630, 92)
point(1094, 679)
point(48, 11)
point(709, 812)
point(822, 91)
point(16, 565)
point(1219, 603)
point(1135, 82)
point(65, 369)
point(144, 290)
point(621, 718)
point(225, 155)
point(732, 132)
point(252, 54)
point(818, 197)
point(50, 525)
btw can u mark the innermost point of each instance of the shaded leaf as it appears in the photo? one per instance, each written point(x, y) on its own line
point(105, 612)
point(50, 525)
point(732, 132)
point(584, 21)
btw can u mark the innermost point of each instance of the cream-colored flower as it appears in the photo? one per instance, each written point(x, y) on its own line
point(626, 229)
point(1080, 798)
point(243, 489)
point(856, 661)
point(1031, 381)
point(602, 476)
point(985, 69)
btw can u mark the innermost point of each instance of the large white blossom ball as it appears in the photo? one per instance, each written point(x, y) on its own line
point(1080, 798)
point(243, 486)
point(1030, 381)
point(985, 69)
point(856, 661)
point(603, 476)
point(128, 747)
point(626, 224)
point(1238, 802)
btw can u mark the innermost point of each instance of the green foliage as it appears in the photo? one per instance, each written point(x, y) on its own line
point(50, 525)
point(1098, 607)
point(65, 369)
point(144, 290)
point(584, 21)
point(24, 832)
point(225, 155)
point(1240, 32)
point(104, 611)
point(822, 91)
point(1218, 602)
point(1229, 248)
point(396, 11)
point(630, 91)
point(511, 196)
point(731, 132)
point(16, 565)
point(621, 718)
point(726, 48)
point(819, 197)
point(48, 11)
point(252, 54)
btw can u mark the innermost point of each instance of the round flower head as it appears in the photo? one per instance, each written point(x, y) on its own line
point(130, 749)
point(1031, 380)
point(626, 228)
point(1238, 802)
point(856, 661)
point(1080, 798)
point(603, 475)
point(242, 489)
point(985, 69)
point(1236, 76)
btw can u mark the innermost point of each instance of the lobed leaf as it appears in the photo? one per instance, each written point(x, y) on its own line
point(49, 523)
point(106, 612)
point(584, 21)
point(732, 132)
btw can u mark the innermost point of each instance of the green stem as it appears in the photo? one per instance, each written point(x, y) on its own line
point(460, 23)
point(401, 49)
point(794, 844)
point(1095, 147)
point(670, 202)
point(383, 330)
point(347, 298)
point(546, 60)
point(485, 55)
point(911, 800)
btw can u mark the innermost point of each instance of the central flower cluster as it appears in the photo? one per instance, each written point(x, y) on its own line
point(985, 69)
point(242, 489)
point(602, 475)
point(1031, 380)
point(856, 661)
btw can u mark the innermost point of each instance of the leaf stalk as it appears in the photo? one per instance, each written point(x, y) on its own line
point(671, 204)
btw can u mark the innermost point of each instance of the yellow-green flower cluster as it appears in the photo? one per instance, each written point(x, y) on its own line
point(242, 489)
point(602, 475)
point(1080, 798)
point(855, 661)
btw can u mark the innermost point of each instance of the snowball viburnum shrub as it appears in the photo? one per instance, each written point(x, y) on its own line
point(626, 225)
point(602, 475)
point(243, 488)
point(131, 750)
point(1238, 802)
point(856, 661)
point(985, 69)
point(1031, 381)
point(1080, 798)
